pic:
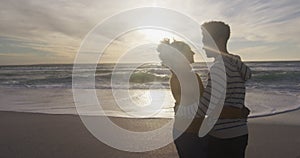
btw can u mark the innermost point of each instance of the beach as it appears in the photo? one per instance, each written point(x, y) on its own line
point(38, 117)
point(106, 79)
point(61, 136)
point(43, 135)
point(275, 136)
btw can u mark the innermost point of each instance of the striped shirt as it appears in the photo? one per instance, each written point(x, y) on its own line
point(226, 82)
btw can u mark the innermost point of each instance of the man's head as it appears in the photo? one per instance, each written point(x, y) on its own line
point(215, 37)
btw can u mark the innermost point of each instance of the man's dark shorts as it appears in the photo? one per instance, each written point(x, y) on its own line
point(227, 148)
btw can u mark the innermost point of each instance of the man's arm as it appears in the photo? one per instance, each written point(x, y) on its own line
point(227, 111)
point(245, 71)
point(233, 112)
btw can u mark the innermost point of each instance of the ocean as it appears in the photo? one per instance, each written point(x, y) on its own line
point(274, 88)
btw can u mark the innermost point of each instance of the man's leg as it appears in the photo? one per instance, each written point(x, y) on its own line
point(227, 148)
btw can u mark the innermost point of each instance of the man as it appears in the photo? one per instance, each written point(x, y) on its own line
point(188, 144)
point(229, 136)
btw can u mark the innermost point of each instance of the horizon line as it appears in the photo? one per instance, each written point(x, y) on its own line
point(247, 61)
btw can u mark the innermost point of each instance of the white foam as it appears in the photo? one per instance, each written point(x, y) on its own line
point(60, 101)
point(265, 103)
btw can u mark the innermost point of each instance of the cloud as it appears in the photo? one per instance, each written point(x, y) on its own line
point(270, 21)
point(57, 28)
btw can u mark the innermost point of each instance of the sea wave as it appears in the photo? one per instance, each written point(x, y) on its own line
point(276, 75)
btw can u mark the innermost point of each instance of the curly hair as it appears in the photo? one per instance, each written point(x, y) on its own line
point(182, 47)
point(217, 29)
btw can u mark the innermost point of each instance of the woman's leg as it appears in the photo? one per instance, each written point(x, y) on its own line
point(189, 145)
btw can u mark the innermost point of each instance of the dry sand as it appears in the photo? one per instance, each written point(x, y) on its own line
point(27, 135)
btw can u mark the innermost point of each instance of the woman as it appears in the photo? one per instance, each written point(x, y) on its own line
point(178, 57)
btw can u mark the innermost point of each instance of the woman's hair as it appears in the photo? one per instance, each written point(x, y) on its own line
point(182, 47)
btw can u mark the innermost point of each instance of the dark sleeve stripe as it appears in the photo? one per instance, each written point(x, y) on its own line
point(238, 98)
point(245, 75)
point(206, 99)
point(210, 102)
point(210, 89)
point(236, 93)
point(236, 85)
point(214, 69)
point(215, 93)
point(211, 95)
point(222, 123)
point(232, 82)
point(201, 110)
point(244, 124)
point(204, 104)
point(231, 102)
point(219, 79)
point(242, 68)
point(219, 75)
point(234, 76)
point(245, 70)
point(248, 73)
point(231, 69)
point(236, 79)
point(239, 64)
point(237, 88)
point(200, 114)
point(234, 101)
point(219, 84)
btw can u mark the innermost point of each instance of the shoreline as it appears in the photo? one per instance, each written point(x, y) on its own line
point(61, 101)
point(159, 117)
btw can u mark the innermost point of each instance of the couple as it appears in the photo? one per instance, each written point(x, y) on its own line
point(229, 135)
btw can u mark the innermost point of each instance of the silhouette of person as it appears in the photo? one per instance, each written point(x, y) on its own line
point(229, 136)
point(178, 56)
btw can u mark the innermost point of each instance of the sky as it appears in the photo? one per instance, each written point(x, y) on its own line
point(51, 32)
